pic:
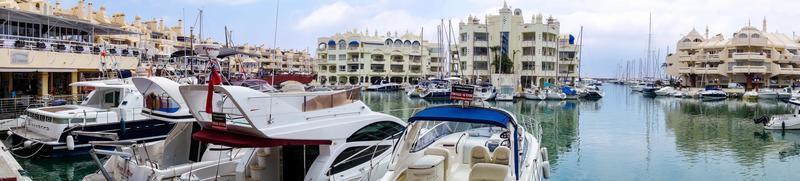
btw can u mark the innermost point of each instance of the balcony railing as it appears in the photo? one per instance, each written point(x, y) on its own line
point(749, 41)
point(684, 58)
point(397, 70)
point(709, 57)
point(379, 70)
point(378, 59)
point(398, 60)
point(749, 69)
point(749, 56)
point(66, 46)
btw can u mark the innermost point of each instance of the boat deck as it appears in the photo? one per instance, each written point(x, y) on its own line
point(9, 167)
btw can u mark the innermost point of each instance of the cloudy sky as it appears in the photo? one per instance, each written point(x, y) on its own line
point(615, 30)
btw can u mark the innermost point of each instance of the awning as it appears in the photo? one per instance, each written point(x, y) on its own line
point(463, 114)
point(245, 141)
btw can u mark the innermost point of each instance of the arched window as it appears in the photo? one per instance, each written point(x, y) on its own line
point(332, 44)
point(698, 40)
point(416, 44)
point(388, 42)
point(755, 35)
point(742, 35)
point(342, 44)
point(376, 131)
point(407, 43)
point(322, 46)
point(398, 43)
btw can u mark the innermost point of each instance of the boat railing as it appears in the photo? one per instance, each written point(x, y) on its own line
point(313, 101)
point(530, 124)
point(14, 107)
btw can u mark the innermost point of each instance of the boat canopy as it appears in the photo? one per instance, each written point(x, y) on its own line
point(464, 114)
point(246, 141)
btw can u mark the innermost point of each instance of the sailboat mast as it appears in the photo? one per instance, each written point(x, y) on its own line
point(649, 43)
point(580, 52)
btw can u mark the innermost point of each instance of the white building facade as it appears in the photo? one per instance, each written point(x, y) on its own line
point(354, 57)
point(535, 49)
point(752, 58)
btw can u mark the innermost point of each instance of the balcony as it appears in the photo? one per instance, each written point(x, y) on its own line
point(528, 43)
point(397, 60)
point(397, 70)
point(416, 71)
point(707, 70)
point(379, 70)
point(749, 41)
point(481, 43)
point(749, 56)
point(685, 58)
point(378, 59)
point(748, 69)
point(685, 70)
point(709, 57)
point(354, 60)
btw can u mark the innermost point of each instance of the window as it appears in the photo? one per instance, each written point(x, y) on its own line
point(331, 57)
point(742, 35)
point(388, 42)
point(342, 57)
point(341, 44)
point(342, 163)
point(481, 36)
point(529, 36)
point(376, 131)
point(111, 98)
point(464, 36)
point(480, 65)
point(464, 51)
point(342, 68)
point(528, 65)
point(548, 66)
point(755, 35)
point(481, 50)
point(529, 51)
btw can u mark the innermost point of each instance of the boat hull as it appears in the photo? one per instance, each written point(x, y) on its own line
point(140, 131)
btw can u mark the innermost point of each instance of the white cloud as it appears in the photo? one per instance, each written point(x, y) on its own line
point(327, 15)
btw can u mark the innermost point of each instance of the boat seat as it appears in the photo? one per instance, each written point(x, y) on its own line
point(443, 153)
point(500, 155)
point(428, 168)
point(488, 172)
point(479, 154)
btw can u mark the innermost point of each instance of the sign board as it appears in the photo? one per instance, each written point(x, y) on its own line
point(218, 121)
point(19, 58)
point(462, 92)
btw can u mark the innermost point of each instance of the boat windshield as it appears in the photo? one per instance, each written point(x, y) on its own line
point(432, 131)
point(506, 90)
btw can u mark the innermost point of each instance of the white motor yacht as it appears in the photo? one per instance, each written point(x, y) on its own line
point(384, 85)
point(485, 92)
point(111, 112)
point(505, 93)
point(534, 94)
point(767, 94)
point(250, 135)
point(555, 95)
point(455, 142)
point(713, 95)
point(780, 122)
point(665, 91)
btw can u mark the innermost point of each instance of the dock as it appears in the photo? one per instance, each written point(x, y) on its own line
point(10, 170)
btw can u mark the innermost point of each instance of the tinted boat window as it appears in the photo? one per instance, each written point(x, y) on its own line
point(340, 164)
point(376, 131)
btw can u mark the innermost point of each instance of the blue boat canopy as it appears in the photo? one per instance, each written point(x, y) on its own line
point(463, 114)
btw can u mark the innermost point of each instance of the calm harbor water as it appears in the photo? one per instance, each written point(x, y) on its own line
point(621, 137)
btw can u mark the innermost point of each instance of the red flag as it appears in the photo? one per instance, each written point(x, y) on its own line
point(214, 79)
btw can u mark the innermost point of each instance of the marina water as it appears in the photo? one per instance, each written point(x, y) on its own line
point(621, 137)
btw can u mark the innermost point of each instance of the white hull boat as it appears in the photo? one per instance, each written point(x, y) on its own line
point(535, 95)
point(665, 91)
point(780, 122)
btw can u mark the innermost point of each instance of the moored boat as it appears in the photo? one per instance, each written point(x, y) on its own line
point(111, 112)
point(505, 93)
point(780, 122)
point(711, 94)
point(534, 94)
point(455, 142)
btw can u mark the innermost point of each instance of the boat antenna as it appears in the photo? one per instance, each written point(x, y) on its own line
point(274, 50)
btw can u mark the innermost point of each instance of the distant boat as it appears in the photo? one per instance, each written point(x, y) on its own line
point(385, 86)
point(665, 91)
point(780, 122)
point(533, 94)
point(711, 94)
point(555, 95)
point(485, 92)
point(767, 94)
point(750, 95)
point(505, 93)
point(592, 93)
point(437, 90)
point(649, 90)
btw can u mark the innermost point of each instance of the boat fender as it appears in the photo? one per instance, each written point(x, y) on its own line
point(544, 154)
point(27, 143)
point(70, 143)
point(546, 169)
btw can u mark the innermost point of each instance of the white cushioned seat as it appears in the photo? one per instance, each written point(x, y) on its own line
point(501, 154)
point(443, 153)
point(479, 154)
point(488, 172)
